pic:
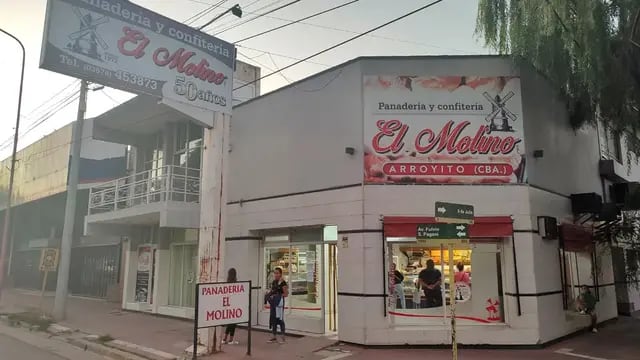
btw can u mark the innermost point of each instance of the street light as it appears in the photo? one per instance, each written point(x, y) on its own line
point(7, 214)
point(235, 10)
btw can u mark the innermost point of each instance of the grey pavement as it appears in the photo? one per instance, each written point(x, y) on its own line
point(19, 343)
point(11, 349)
point(619, 340)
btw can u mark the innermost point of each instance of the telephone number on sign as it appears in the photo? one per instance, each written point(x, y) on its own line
point(136, 79)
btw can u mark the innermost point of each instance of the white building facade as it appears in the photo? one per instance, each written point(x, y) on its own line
point(331, 177)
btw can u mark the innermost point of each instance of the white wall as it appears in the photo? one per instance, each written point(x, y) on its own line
point(570, 162)
point(293, 140)
point(96, 149)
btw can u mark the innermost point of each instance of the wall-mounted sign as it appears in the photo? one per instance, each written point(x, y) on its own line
point(442, 232)
point(120, 44)
point(443, 130)
point(454, 213)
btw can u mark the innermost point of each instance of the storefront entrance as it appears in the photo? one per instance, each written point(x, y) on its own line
point(309, 266)
point(424, 275)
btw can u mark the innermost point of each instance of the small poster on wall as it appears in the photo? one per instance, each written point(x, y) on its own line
point(142, 275)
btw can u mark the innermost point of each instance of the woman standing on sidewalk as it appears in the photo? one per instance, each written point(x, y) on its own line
point(230, 330)
point(275, 297)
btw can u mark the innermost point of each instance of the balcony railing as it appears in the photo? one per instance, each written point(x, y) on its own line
point(167, 183)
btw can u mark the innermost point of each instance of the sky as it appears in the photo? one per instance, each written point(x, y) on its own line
point(446, 28)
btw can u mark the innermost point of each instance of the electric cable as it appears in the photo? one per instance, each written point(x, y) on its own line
point(422, 8)
point(297, 21)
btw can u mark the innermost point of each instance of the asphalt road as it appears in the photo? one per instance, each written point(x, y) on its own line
point(11, 349)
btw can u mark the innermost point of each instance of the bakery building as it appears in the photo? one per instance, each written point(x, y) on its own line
point(331, 178)
point(335, 178)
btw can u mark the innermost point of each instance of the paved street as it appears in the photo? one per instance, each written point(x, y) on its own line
point(11, 349)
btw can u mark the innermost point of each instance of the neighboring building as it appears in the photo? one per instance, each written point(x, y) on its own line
point(620, 175)
point(155, 208)
point(38, 211)
point(331, 177)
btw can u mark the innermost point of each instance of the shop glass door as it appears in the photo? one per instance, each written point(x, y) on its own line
point(183, 263)
point(302, 270)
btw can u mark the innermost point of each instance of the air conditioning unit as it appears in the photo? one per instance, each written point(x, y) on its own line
point(624, 193)
point(586, 203)
point(548, 227)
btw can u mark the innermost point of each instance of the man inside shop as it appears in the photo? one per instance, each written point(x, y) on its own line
point(430, 280)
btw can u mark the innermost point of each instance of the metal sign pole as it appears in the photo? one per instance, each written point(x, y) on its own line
point(195, 325)
point(452, 300)
point(250, 319)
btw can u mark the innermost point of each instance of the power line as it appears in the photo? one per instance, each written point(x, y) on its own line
point(244, 10)
point(253, 59)
point(326, 27)
point(51, 98)
point(278, 69)
point(258, 16)
point(104, 92)
point(197, 16)
point(281, 55)
point(69, 100)
point(297, 21)
point(44, 113)
point(344, 42)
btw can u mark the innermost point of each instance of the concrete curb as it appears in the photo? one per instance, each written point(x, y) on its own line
point(55, 329)
point(57, 346)
point(142, 351)
point(116, 349)
point(103, 350)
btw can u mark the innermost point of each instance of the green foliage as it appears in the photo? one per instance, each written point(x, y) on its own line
point(582, 47)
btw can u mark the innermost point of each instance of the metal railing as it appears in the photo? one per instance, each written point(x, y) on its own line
point(167, 183)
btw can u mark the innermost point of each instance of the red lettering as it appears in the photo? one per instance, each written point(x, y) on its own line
point(135, 37)
point(449, 138)
point(223, 314)
point(179, 61)
point(391, 128)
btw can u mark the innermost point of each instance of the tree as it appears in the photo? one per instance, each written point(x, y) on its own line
point(589, 50)
point(583, 48)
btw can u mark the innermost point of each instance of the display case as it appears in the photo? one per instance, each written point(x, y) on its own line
point(417, 259)
point(294, 268)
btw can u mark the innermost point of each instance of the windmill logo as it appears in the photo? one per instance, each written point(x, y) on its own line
point(499, 112)
point(86, 40)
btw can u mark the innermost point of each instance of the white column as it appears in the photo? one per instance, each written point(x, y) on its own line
point(213, 200)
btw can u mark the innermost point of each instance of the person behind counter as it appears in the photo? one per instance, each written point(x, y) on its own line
point(398, 278)
point(431, 279)
point(461, 275)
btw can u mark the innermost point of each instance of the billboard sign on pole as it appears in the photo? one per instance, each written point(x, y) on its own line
point(122, 45)
point(223, 303)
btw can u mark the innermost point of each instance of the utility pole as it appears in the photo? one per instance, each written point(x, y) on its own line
point(7, 212)
point(62, 287)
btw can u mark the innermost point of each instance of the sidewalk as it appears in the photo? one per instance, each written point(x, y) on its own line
point(165, 334)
